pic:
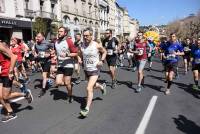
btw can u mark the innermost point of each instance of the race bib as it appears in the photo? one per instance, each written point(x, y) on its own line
point(88, 62)
point(140, 52)
point(27, 54)
point(41, 54)
point(110, 51)
point(186, 49)
point(197, 60)
point(171, 56)
point(0, 69)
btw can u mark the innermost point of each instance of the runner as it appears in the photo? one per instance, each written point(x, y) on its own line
point(90, 51)
point(7, 63)
point(66, 51)
point(77, 68)
point(111, 45)
point(187, 50)
point(151, 52)
point(130, 55)
point(42, 53)
point(141, 58)
point(172, 50)
point(196, 64)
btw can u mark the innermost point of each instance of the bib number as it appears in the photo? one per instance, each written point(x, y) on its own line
point(110, 52)
point(88, 62)
point(140, 52)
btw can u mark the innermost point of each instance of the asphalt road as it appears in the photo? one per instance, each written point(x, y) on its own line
point(119, 112)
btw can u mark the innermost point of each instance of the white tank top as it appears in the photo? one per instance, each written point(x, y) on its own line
point(63, 48)
point(90, 56)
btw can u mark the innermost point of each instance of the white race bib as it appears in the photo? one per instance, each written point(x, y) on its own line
point(27, 54)
point(110, 51)
point(186, 49)
point(171, 56)
point(41, 54)
point(197, 60)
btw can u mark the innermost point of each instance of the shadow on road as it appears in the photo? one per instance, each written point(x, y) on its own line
point(188, 89)
point(186, 126)
point(155, 87)
point(38, 85)
point(16, 108)
point(127, 83)
point(58, 95)
point(156, 77)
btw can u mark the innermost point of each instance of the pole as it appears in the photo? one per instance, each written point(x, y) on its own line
point(31, 29)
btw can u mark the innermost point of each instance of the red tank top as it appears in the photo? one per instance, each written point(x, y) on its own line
point(4, 65)
point(142, 48)
point(17, 51)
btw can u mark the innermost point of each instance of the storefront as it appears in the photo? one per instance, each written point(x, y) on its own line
point(14, 28)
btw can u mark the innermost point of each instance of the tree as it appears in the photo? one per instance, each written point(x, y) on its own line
point(187, 27)
point(40, 25)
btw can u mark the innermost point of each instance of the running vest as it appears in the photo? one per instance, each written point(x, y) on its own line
point(90, 56)
point(4, 65)
point(62, 48)
point(17, 51)
point(41, 49)
point(196, 55)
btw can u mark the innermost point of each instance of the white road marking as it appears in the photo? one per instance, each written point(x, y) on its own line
point(145, 120)
point(15, 100)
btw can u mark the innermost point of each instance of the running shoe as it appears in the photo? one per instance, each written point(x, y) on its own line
point(29, 96)
point(195, 87)
point(78, 80)
point(167, 92)
point(42, 92)
point(23, 89)
point(139, 89)
point(113, 84)
point(104, 89)
point(71, 99)
point(27, 81)
point(84, 112)
point(9, 117)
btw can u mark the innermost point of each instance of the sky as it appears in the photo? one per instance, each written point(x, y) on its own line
point(158, 12)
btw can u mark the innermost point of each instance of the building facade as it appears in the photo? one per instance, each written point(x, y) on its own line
point(103, 7)
point(111, 15)
point(79, 14)
point(16, 16)
point(119, 21)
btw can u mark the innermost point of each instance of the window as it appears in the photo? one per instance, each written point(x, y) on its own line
point(66, 19)
point(2, 6)
point(76, 21)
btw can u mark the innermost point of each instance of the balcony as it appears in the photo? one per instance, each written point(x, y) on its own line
point(29, 13)
point(47, 15)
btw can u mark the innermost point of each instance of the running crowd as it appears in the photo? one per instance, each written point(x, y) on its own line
point(59, 59)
